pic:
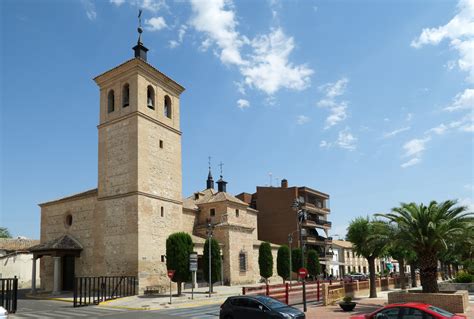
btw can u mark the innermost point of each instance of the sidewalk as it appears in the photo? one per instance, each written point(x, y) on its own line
point(156, 302)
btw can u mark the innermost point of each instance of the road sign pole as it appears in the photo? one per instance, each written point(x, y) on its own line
point(170, 291)
point(304, 295)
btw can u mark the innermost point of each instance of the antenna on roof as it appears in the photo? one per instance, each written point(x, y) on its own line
point(271, 178)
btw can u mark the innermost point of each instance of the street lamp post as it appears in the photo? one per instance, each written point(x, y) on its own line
point(301, 217)
point(209, 237)
point(290, 241)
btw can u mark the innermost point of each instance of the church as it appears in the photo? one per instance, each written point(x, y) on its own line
point(120, 228)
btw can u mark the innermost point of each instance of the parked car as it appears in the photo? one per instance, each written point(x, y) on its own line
point(410, 310)
point(3, 313)
point(358, 276)
point(257, 307)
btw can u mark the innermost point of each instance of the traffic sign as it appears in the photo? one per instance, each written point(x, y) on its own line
point(302, 272)
point(170, 273)
point(193, 261)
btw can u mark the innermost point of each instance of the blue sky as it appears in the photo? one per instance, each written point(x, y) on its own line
point(369, 101)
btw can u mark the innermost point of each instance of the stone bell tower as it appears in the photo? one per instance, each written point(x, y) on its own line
point(140, 176)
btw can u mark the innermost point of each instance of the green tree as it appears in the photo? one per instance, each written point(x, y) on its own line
point(265, 260)
point(314, 268)
point(283, 262)
point(178, 248)
point(5, 233)
point(367, 242)
point(296, 262)
point(429, 229)
point(215, 262)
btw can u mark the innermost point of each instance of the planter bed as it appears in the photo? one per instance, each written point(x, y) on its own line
point(452, 286)
point(454, 301)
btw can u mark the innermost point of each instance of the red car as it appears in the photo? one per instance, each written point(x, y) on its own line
point(409, 310)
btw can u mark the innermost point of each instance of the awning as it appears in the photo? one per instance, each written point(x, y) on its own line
point(61, 246)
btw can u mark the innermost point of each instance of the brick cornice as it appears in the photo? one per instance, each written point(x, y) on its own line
point(142, 194)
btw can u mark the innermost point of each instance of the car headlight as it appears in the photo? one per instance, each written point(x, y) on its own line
point(286, 315)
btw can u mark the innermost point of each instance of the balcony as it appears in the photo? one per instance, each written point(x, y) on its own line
point(314, 220)
point(316, 208)
point(318, 240)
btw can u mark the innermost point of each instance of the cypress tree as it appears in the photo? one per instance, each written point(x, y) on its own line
point(178, 248)
point(283, 262)
point(265, 260)
point(215, 262)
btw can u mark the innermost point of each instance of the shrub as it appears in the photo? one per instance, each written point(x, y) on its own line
point(314, 268)
point(347, 299)
point(265, 260)
point(463, 278)
point(296, 262)
point(283, 262)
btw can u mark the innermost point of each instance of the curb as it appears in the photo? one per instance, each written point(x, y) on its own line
point(178, 306)
point(48, 298)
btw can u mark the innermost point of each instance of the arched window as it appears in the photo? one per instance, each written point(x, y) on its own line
point(125, 95)
point(167, 106)
point(111, 101)
point(150, 97)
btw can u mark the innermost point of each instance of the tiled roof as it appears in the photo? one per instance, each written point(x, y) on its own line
point(342, 243)
point(78, 195)
point(65, 242)
point(17, 244)
point(210, 196)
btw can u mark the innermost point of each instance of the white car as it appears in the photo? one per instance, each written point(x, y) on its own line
point(3, 313)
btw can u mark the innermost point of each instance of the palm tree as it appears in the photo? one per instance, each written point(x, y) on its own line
point(429, 229)
point(369, 240)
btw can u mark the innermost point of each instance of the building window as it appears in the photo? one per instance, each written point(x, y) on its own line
point(150, 97)
point(237, 213)
point(111, 101)
point(161, 144)
point(167, 107)
point(213, 212)
point(353, 255)
point(68, 220)
point(348, 255)
point(125, 95)
point(378, 268)
point(162, 211)
point(163, 258)
point(359, 269)
point(242, 261)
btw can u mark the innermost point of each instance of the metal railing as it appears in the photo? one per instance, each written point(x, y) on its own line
point(9, 294)
point(94, 290)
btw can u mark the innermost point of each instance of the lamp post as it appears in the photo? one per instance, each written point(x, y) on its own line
point(209, 237)
point(301, 216)
point(290, 241)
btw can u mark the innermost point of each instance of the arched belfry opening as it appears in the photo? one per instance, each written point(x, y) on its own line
point(167, 107)
point(125, 95)
point(150, 97)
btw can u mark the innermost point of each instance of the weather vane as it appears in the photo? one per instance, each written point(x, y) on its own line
point(221, 164)
point(209, 162)
point(140, 30)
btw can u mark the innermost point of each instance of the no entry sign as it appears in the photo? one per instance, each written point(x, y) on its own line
point(170, 273)
point(302, 272)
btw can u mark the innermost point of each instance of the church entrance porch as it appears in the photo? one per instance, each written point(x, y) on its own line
point(63, 250)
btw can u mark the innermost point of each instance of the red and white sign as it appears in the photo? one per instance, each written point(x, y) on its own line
point(170, 273)
point(302, 272)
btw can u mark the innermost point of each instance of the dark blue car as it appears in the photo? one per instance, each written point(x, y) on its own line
point(257, 307)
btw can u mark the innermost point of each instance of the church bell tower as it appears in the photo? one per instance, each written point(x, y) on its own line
point(139, 165)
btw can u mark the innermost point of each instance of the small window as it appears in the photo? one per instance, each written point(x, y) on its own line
point(237, 213)
point(348, 255)
point(167, 107)
point(162, 211)
point(359, 269)
point(213, 212)
point(163, 258)
point(378, 268)
point(125, 95)
point(161, 144)
point(150, 97)
point(242, 261)
point(111, 101)
point(68, 220)
point(353, 255)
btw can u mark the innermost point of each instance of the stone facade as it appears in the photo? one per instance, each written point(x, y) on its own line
point(123, 225)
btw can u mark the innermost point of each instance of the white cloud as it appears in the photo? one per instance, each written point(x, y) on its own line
point(409, 117)
point(395, 132)
point(181, 32)
point(440, 129)
point(338, 109)
point(302, 119)
point(155, 24)
point(90, 9)
point(415, 147)
point(117, 2)
point(462, 101)
point(243, 104)
point(459, 31)
point(324, 144)
point(411, 162)
point(240, 87)
point(346, 140)
point(267, 66)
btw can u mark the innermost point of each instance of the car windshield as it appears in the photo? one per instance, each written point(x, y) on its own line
point(271, 303)
point(441, 311)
